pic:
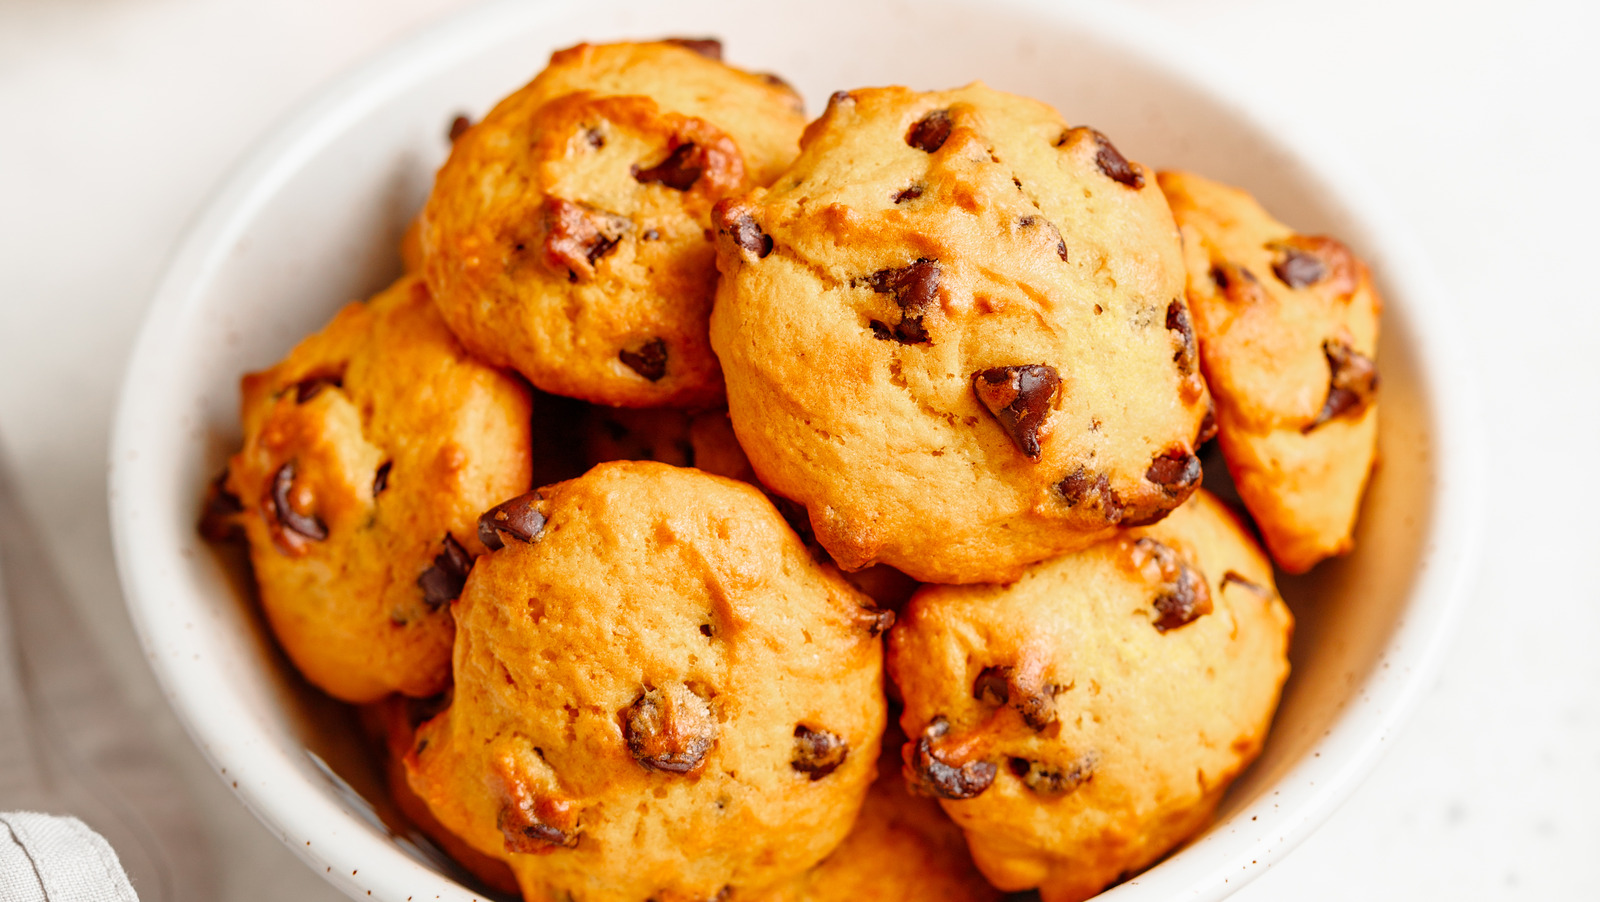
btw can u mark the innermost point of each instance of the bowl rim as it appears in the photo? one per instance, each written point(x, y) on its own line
point(362, 862)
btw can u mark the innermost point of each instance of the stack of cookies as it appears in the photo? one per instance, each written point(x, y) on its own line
point(730, 507)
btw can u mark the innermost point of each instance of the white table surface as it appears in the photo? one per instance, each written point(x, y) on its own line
point(118, 117)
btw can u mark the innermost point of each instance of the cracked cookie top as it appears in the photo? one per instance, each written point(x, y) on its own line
point(566, 236)
point(955, 331)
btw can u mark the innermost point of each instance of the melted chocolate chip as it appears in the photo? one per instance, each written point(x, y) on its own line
point(1001, 685)
point(1083, 488)
point(518, 519)
point(594, 138)
point(220, 511)
point(1184, 596)
point(875, 621)
point(671, 731)
point(905, 194)
point(1233, 578)
point(309, 388)
point(930, 132)
point(1053, 781)
point(742, 227)
point(1019, 397)
point(458, 127)
point(442, 582)
point(1237, 284)
point(1176, 470)
point(649, 360)
point(1352, 383)
point(679, 171)
point(928, 774)
point(290, 519)
point(1208, 425)
point(533, 826)
point(380, 479)
point(1296, 268)
point(915, 289)
point(817, 753)
point(1178, 321)
point(1113, 164)
point(577, 236)
point(710, 48)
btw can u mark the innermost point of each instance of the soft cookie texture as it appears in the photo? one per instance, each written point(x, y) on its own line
point(901, 847)
point(954, 330)
point(567, 234)
point(1288, 329)
point(368, 454)
point(659, 695)
point(1081, 722)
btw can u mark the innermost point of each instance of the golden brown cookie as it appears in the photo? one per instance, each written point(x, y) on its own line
point(655, 685)
point(901, 847)
point(368, 454)
point(1288, 329)
point(394, 723)
point(1081, 722)
point(955, 332)
point(703, 440)
point(566, 235)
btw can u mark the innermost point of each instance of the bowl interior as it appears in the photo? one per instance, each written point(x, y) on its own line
point(314, 220)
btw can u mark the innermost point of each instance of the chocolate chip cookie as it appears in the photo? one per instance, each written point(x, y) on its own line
point(1288, 329)
point(955, 332)
point(567, 234)
point(368, 454)
point(659, 694)
point(1083, 721)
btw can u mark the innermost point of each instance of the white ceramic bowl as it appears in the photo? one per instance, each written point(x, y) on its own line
point(312, 221)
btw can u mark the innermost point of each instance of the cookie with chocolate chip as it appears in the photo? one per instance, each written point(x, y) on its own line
point(658, 693)
point(954, 332)
point(1288, 331)
point(1084, 720)
point(368, 454)
point(567, 234)
point(703, 440)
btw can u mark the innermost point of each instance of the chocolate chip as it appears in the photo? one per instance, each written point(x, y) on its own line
point(710, 48)
point(309, 388)
point(817, 753)
point(380, 479)
point(928, 774)
point(518, 519)
point(1297, 269)
point(1054, 781)
point(671, 731)
point(287, 517)
point(219, 513)
point(838, 97)
point(746, 234)
point(1352, 383)
point(915, 289)
point(442, 582)
point(650, 235)
point(1061, 250)
point(648, 360)
point(1001, 684)
point(577, 236)
point(1178, 321)
point(1184, 596)
point(1113, 164)
point(594, 137)
point(533, 826)
point(993, 685)
point(1083, 488)
point(458, 127)
point(1237, 284)
point(679, 171)
point(1208, 425)
point(1176, 470)
point(880, 330)
point(905, 194)
point(1019, 397)
point(930, 132)
point(875, 621)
